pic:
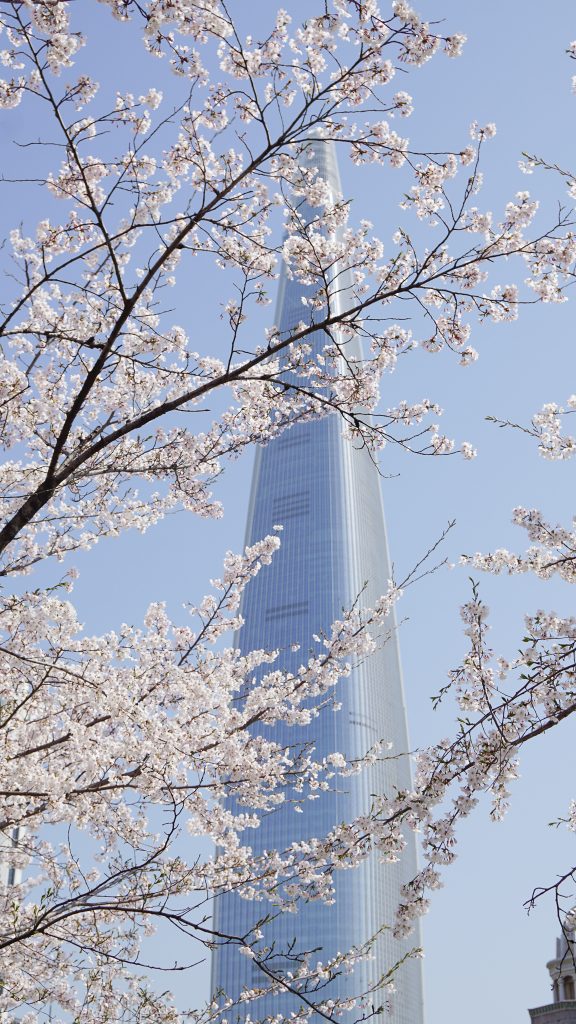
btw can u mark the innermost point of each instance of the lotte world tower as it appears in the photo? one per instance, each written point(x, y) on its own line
point(326, 494)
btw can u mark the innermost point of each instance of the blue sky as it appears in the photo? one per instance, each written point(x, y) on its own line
point(485, 956)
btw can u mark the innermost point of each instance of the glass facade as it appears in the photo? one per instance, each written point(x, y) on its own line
point(326, 494)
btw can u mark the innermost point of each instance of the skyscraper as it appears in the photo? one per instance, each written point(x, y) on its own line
point(326, 494)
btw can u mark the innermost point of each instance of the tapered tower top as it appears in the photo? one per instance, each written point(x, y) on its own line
point(321, 153)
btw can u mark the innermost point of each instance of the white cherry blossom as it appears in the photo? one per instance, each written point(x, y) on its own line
point(106, 736)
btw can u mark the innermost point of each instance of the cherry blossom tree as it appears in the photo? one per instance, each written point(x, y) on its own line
point(111, 418)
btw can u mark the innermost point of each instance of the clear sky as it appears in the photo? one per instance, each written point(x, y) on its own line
point(485, 957)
